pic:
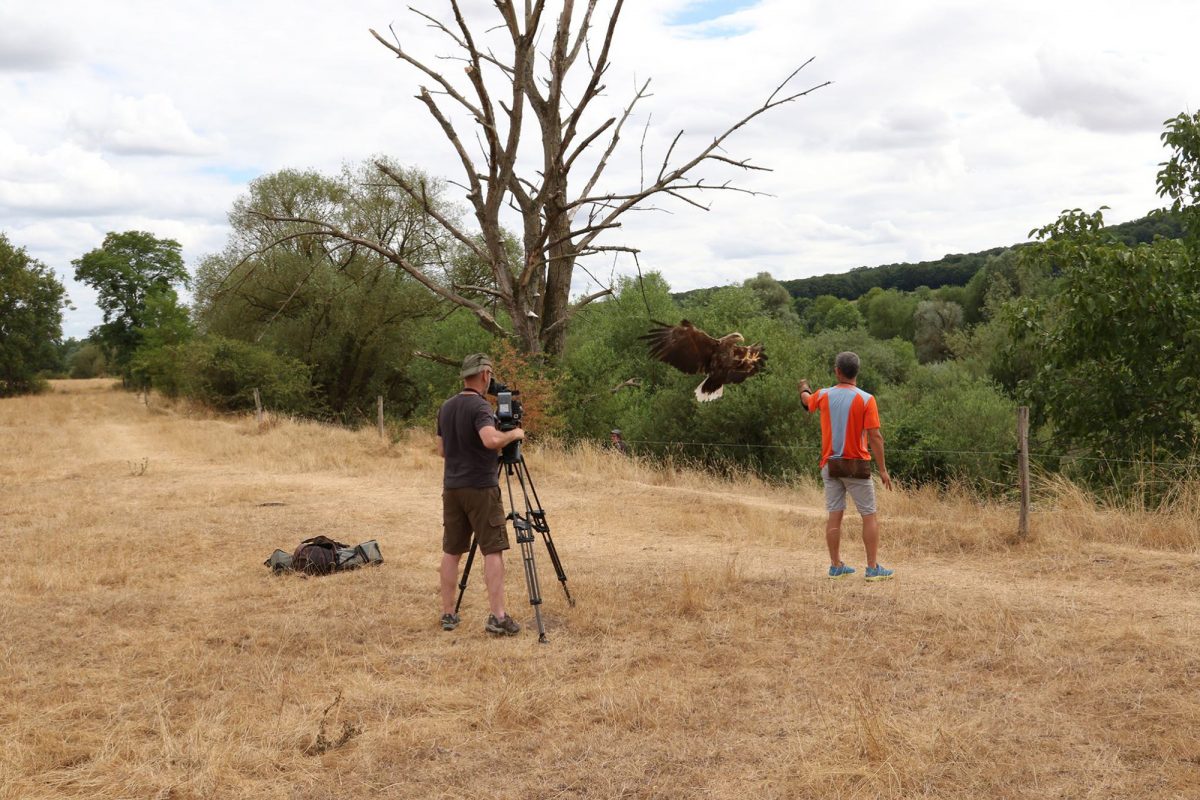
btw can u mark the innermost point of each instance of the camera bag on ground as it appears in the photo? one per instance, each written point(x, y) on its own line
point(321, 555)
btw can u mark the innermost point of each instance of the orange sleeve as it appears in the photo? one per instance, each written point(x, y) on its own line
point(813, 403)
point(871, 417)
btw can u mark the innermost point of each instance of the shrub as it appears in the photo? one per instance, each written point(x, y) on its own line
point(947, 425)
point(223, 374)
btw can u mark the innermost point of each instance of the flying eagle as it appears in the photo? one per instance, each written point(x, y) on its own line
point(687, 348)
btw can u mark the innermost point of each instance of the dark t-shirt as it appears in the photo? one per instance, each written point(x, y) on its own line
point(469, 465)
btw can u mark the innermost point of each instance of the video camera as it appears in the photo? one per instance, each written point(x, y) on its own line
point(508, 408)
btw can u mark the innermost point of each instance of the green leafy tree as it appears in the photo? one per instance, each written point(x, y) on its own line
point(344, 309)
point(889, 313)
point(933, 322)
point(88, 361)
point(1115, 344)
point(134, 275)
point(831, 313)
point(31, 303)
point(773, 297)
point(1179, 178)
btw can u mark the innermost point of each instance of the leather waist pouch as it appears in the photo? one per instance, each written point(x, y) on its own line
point(849, 467)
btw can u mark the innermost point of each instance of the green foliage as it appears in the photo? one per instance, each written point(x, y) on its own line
point(1179, 178)
point(773, 296)
point(884, 363)
point(889, 313)
point(934, 322)
point(947, 424)
point(950, 270)
point(352, 315)
point(452, 337)
point(223, 373)
point(31, 303)
point(88, 361)
point(758, 424)
point(1115, 342)
point(134, 275)
point(827, 313)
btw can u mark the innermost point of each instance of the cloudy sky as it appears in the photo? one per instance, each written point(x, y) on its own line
point(948, 127)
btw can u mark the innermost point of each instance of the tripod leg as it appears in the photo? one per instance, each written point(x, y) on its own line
point(524, 533)
point(545, 530)
point(462, 584)
point(558, 568)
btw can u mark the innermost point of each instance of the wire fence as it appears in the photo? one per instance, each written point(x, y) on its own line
point(812, 448)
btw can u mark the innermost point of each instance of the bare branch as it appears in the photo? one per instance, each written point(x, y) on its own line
point(483, 289)
point(445, 84)
point(574, 309)
point(423, 198)
point(602, 164)
point(325, 229)
point(450, 362)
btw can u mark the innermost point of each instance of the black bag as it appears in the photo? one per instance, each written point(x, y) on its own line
point(321, 555)
point(849, 468)
point(316, 556)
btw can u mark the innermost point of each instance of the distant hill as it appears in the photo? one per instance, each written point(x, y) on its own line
point(950, 270)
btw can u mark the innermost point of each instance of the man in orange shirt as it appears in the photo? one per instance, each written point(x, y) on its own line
point(849, 425)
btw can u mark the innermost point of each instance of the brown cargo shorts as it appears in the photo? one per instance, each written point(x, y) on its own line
point(478, 511)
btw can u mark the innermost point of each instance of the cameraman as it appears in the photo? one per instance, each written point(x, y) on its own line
point(469, 441)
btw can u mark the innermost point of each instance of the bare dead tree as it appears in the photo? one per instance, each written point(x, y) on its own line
point(560, 225)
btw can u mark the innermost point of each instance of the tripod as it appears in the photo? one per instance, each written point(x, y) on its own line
point(512, 462)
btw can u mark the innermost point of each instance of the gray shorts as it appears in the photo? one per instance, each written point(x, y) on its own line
point(836, 489)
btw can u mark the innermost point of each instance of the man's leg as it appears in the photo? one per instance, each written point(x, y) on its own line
point(449, 578)
point(871, 538)
point(833, 536)
point(493, 576)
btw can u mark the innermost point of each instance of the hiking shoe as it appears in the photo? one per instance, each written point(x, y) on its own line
point(878, 573)
point(450, 621)
point(840, 571)
point(505, 627)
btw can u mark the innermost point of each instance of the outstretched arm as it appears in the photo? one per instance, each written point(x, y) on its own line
point(805, 392)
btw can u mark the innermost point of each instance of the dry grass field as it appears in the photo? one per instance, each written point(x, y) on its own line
point(146, 652)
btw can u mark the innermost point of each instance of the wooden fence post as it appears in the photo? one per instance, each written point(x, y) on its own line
point(1023, 469)
point(379, 404)
point(258, 408)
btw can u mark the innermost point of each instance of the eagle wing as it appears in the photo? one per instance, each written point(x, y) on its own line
point(683, 346)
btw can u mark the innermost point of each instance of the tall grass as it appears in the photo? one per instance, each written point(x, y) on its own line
point(146, 652)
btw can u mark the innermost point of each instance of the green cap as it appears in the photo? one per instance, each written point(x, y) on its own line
point(475, 364)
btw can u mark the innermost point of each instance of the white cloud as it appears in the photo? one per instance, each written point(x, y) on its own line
point(32, 45)
point(1103, 92)
point(65, 181)
point(149, 125)
point(948, 128)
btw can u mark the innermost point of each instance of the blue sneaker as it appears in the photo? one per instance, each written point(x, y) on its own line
point(878, 573)
point(840, 571)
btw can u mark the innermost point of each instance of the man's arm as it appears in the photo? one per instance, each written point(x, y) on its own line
point(495, 440)
point(875, 443)
point(441, 447)
point(805, 393)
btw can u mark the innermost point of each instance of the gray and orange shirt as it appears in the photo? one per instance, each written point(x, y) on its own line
point(847, 413)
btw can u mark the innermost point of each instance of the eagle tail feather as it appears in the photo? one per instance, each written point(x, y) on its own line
point(707, 395)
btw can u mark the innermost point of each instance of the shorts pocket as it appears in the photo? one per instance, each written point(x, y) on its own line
point(496, 516)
